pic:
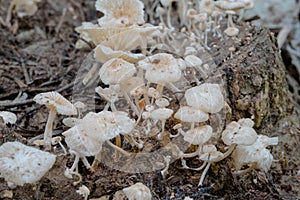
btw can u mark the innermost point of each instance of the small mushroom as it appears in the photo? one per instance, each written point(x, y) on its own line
point(138, 191)
point(121, 12)
point(206, 97)
point(231, 31)
point(161, 114)
point(8, 117)
point(56, 103)
point(191, 115)
point(256, 154)
point(20, 164)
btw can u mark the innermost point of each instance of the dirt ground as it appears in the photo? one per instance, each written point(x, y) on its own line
point(38, 54)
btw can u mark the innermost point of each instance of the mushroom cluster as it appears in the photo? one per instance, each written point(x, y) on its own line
point(150, 77)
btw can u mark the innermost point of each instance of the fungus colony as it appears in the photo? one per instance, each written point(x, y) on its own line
point(148, 68)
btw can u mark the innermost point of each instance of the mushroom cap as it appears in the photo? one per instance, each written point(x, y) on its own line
point(8, 117)
point(254, 153)
point(54, 99)
point(190, 114)
point(246, 122)
point(161, 68)
point(22, 164)
point(198, 135)
point(207, 6)
point(206, 97)
point(109, 94)
point(237, 134)
point(211, 156)
point(80, 142)
point(103, 54)
point(138, 191)
point(120, 12)
point(116, 71)
point(161, 113)
point(25, 7)
point(193, 61)
point(231, 31)
point(162, 102)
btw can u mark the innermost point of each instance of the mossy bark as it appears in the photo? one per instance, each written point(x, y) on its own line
point(255, 77)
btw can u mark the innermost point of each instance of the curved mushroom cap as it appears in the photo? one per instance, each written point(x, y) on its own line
point(254, 153)
point(54, 99)
point(236, 134)
point(103, 54)
point(231, 31)
point(138, 191)
point(162, 102)
point(210, 153)
point(193, 61)
point(116, 71)
point(25, 7)
point(78, 141)
point(21, 164)
point(83, 33)
point(246, 122)
point(120, 12)
point(198, 135)
point(106, 125)
point(161, 68)
point(206, 97)
point(190, 114)
point(229, 5)
point(8, 117)
point(207, 6)
point(109, 94)
point(161, 113)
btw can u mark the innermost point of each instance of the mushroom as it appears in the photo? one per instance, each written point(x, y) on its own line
point(84, 191)
point(231, 31)
point(116, 71)
point(209, 154)
point(85, 38)
point(161, 114)
point(162, 69)
point(191, 115)
point(197, 136)
point(256, 154)
point(120, 12)
point(8, 117)
point(110, 94)
point(138, 191)
point(20, 164)
point(195, 62)
point(206, 97)
point(56, 103)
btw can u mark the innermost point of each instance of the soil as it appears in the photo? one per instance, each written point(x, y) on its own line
point(37, 54)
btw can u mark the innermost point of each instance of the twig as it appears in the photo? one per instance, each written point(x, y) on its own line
point(27, 79)
point(62, 19)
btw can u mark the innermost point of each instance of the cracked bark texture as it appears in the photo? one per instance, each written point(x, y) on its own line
point(255, 77)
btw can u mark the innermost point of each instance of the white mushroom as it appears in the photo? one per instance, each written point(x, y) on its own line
point(120, 12)
point(191, 115)
point(20, 164)
point(8, 117)
point(56, 103)
point(206, 97)
point(161, 69)
point(161, 114)
point(138, 191)
point(256, 154)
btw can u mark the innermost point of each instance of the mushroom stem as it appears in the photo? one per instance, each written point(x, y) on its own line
point(227, 153)
point(131, 104)
point(161, 134)
point(49, 128)
point(203, 174)
point(169, 15)
point(160, 88)
point(118, 144)
point(118, 148)
point(230, 21)
point(190, 155)
point(244, 171)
